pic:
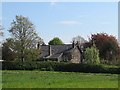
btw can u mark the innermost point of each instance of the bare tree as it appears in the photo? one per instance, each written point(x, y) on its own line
point(1, 28)
point(78, 39)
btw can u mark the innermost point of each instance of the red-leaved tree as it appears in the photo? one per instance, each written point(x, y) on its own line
point(107, 45)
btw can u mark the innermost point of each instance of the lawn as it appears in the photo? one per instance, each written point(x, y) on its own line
point(49, 79)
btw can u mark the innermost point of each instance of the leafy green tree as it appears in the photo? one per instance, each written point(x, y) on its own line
point(7, 53)
point(92, 55)
point(55, 41)
point(32, 54)
point(24, 37)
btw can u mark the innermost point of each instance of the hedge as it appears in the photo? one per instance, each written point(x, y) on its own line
point(59, 66)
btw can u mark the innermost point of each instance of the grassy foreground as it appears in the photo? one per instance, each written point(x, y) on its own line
point(49, 79)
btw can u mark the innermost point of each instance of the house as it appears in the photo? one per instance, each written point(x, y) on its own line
point(67, 53)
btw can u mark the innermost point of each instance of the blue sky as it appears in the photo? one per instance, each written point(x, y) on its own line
point(64, 19)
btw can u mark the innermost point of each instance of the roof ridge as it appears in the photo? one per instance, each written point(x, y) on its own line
point(57, 45)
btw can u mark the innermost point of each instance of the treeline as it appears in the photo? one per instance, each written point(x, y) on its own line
point(108, 47)
point(101, 47)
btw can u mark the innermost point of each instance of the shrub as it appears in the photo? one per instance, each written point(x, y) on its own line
point(92, 55)
point(60, 66)
point(49, 68)
point(43, 69)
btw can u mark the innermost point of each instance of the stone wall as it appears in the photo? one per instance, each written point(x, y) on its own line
point(76, 56)
point(73, 56)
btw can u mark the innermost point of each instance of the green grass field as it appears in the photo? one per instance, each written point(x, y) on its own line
point(49, 79)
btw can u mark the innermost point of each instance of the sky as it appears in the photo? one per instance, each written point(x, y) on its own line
point(64, 19)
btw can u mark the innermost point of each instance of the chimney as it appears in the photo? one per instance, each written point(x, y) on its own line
point(38, 45)
point(50, 50)
point(77, 43)
point(73, 44)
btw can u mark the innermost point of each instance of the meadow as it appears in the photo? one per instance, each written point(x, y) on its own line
point(51, 79)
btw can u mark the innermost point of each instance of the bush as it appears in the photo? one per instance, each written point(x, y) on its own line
point(92, 55)
point(59, 66)
point(49, 68)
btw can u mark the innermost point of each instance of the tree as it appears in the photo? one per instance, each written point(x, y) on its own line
point(55, 41)
point(1, 28)
point(1, 34)
point(92, 55)
point(24, 36)
point(78, 39)
point(32, 54)
point(7, 53)
point(106, 44)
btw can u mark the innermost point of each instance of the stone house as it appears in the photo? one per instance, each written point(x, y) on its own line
point(61, 53)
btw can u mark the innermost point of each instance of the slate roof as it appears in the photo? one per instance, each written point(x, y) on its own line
point(54, 56)
point(56, 50)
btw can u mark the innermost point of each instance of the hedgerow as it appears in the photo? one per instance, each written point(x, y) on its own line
point(59, 66)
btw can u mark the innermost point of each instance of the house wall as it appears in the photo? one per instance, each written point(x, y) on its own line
point(66, 57)
point(76, 56)
point(73, 56)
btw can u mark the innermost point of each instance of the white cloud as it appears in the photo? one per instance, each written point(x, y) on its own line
point(69, 22)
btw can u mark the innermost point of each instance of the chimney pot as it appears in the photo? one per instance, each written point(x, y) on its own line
point(38, 45)
point(73, 44)
point(50, 51)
